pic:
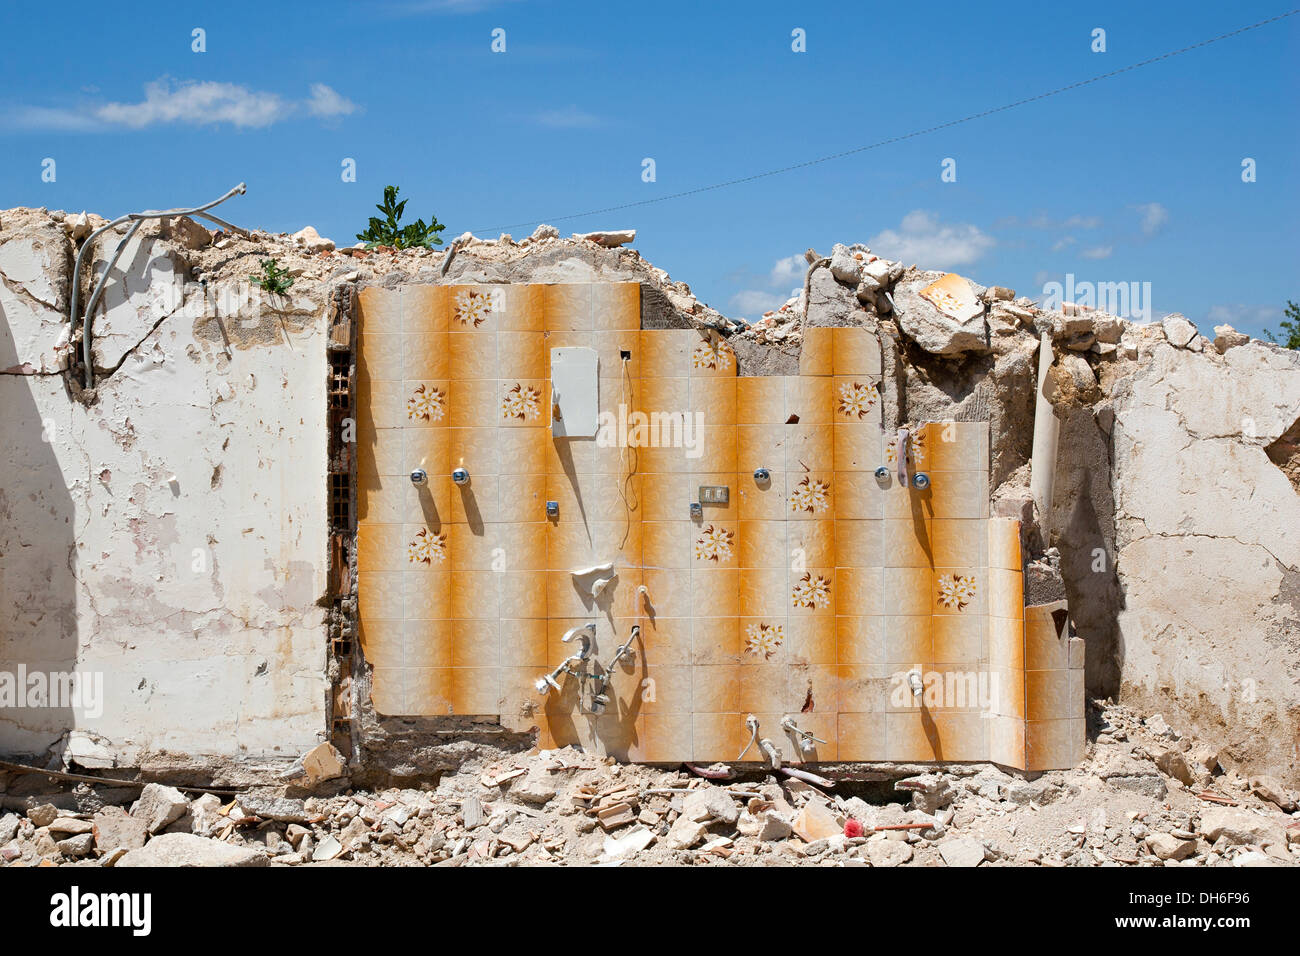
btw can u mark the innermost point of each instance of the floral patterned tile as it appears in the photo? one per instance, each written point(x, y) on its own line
point(523, 403)
point(811, 591)
point(427, 548)
point(714, 544)
point(810, 496)
point(473, 308)
point(426, 403)
point(857, 399)
point(713, 354)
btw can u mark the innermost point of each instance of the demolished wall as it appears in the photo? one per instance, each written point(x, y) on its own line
point(1172, 465)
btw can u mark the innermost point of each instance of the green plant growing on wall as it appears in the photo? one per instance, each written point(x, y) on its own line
point(273, 279)
point(1290, 327)
point(390, 232)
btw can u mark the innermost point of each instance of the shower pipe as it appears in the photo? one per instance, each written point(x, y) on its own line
point(136, 219)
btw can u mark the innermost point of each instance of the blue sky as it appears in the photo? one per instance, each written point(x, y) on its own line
point(1133, 179)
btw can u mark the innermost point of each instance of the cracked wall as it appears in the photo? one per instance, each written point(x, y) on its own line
point(1208, 546)
point(167, 530)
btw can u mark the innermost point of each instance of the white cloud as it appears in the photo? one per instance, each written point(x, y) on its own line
point(1153, 216)
point(196, 104)
point(1063, 243)
point(923, 240)
point(192, 103)
point(1097, 252)
point(756, 301)
point(570, 117)
point(789, 269)
point(326, 102)
point(1241, 316)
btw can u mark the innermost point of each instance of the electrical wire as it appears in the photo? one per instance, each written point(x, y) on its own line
point(904, 136)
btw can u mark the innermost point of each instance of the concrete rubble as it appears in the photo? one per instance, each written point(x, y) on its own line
point(564, 807)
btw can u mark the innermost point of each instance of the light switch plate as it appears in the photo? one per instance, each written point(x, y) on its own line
point(714, 494)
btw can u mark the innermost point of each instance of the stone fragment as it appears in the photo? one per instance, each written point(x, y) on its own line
point(535, 788)
point(684, 833)
point(186, 231)
point(188, 850)
point(1270, 789)
point(887, 853)
point(158, 806)
point(1226, 337)
point(844, 266)
point(961, 851)
point(773, 827)
point(934, 331)
point(1239, 827)
point(1180, 332)
point(312, 241)
point(1172, 763)
point(43, 815)
point(1166, 846)
point(114, 828)
point(69, 826)
point(609, 238)
point(930, 791)
point(708, 804)
point(271, 806)
point(205, 814)
point(75, 847)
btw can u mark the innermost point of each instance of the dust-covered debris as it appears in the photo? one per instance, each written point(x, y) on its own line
point(566, 807)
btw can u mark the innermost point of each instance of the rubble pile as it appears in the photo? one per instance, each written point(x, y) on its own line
point(1144, 796)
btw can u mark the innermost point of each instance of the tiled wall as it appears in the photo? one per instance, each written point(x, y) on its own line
point(811, 594)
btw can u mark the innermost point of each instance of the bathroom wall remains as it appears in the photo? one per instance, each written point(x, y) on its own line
point(731, 533)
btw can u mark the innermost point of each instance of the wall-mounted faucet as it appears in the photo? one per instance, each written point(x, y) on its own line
point(772, 753)
point(914, 681)
point(460, 476)
point(807, 740)
point(600, 680)
point(584, 633)
point(419, 476)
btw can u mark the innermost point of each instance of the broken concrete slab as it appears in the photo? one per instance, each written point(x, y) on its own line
point(158, 806)
point(188, 850)
point(935, 331)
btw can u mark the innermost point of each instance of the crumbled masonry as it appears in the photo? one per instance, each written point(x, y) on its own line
point(1143, 796)
point(1173, 534)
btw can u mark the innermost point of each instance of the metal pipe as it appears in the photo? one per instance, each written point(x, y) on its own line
point(1047, 433)
point(137, 218)
point(99, 287)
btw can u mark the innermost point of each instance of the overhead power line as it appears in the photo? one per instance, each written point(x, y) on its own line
point(897, 139)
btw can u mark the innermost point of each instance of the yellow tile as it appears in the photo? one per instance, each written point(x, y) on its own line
point(815, 355)
point(616, 306)
point(425, 308)
point(856, 351)
point(568, 307)
point(760, 400)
